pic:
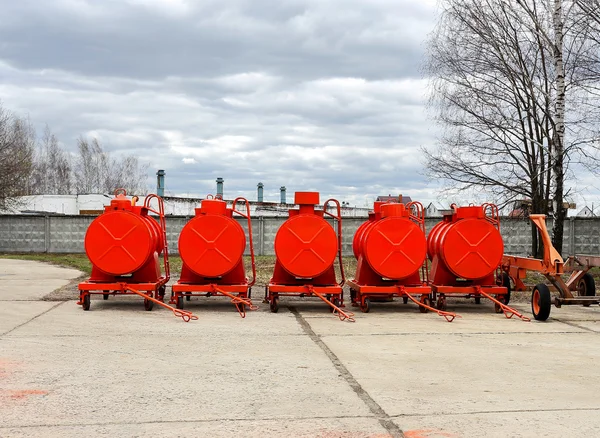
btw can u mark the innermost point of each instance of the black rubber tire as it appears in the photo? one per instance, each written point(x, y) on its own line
point(506, 284)
point(477, 300)
point(148, 304)
point(85, 303)
point(587, 286)
point(427, 302)
point(105, 295)
point(179, 302)
point(541, 308)
point(188, 297)
point(366, 308)
point(161, 291)
point(336, 302)
point(441, 304)
point(274, 305)
point(405, 300)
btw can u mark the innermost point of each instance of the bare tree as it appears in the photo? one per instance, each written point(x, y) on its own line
point(17, 143)
point(510, 86)
point(97, 172)
point(52, 167)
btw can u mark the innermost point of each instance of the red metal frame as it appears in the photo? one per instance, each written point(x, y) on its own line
point(553, 268)
point(489, 287)
point(155, 290)
point(324, 287)
point(373, 286)
point(240, 293)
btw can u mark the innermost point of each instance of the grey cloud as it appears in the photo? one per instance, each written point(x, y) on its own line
point(320, 95)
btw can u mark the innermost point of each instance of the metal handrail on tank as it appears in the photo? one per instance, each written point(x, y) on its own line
point(247, 216)
point(163, 226)
point(417, 215)
point(494, 215)
point(339, 233)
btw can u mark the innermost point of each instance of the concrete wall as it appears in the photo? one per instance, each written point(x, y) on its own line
point(65, 234)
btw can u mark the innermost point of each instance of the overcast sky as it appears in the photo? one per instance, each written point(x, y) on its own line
point(310, 94)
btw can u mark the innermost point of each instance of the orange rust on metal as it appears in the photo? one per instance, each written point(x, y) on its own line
point(212, 246)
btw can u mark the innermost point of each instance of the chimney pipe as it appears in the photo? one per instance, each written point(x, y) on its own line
point(282, 191)
point(220, 182)
point(260, 192)
point(160, 183)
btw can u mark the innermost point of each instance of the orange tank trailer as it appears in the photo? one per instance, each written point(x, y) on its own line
point(306, 246)
point(123, 245)
point(211, 246)
point(391, 251)
point(466, 251)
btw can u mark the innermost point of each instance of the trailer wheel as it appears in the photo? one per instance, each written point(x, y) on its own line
point(85, 302)
point(424, 300)
point(179, 303)
point(105, 295)
point(441, 303)
point(274, 305)
point(148, 304)
point(366, 307)
point(506, 284)
point(161, 292)
point(478, 300)
point(498, 307)
point(336, 302)
point(188, 296)
point(586, 287)
point(405, 300)
point(541, 302)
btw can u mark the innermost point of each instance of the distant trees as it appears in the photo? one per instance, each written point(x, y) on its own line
point(514, 84)
point(17, 144)
point(32, 167)
point(97, 172)
point(52, 168)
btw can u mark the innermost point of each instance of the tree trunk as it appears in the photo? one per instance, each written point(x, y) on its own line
point(559, 130)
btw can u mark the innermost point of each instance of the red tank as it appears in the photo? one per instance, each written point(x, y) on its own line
point(391, 251)
point(212, 246)
point(306, 246)
point(123, 245)
point(466, 250)
point(467, 244)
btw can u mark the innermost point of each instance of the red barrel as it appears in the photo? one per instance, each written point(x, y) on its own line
point(306, 244)
point(394, 246)
point(468, 244)
point(123, 238)
point(212, 243)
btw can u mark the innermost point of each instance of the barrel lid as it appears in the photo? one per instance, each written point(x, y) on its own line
point(212, 245)
point(306, 198)
point(119, 242)
point(472, 248)
point(395, 247)
point(306, 246)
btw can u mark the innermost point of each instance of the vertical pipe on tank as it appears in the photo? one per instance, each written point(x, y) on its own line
point(220, 182)
point(160, 183)
point(260, 192)
point(282, 191)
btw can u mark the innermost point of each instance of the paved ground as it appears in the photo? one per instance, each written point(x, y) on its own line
point(118, 370)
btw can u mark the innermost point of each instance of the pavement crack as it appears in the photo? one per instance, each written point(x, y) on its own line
point(31, 319)
point(384, 419)
point(572, 324)
point(178, 421)
point(508, 411)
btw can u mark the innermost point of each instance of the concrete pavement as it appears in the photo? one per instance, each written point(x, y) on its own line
point(118, 370)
